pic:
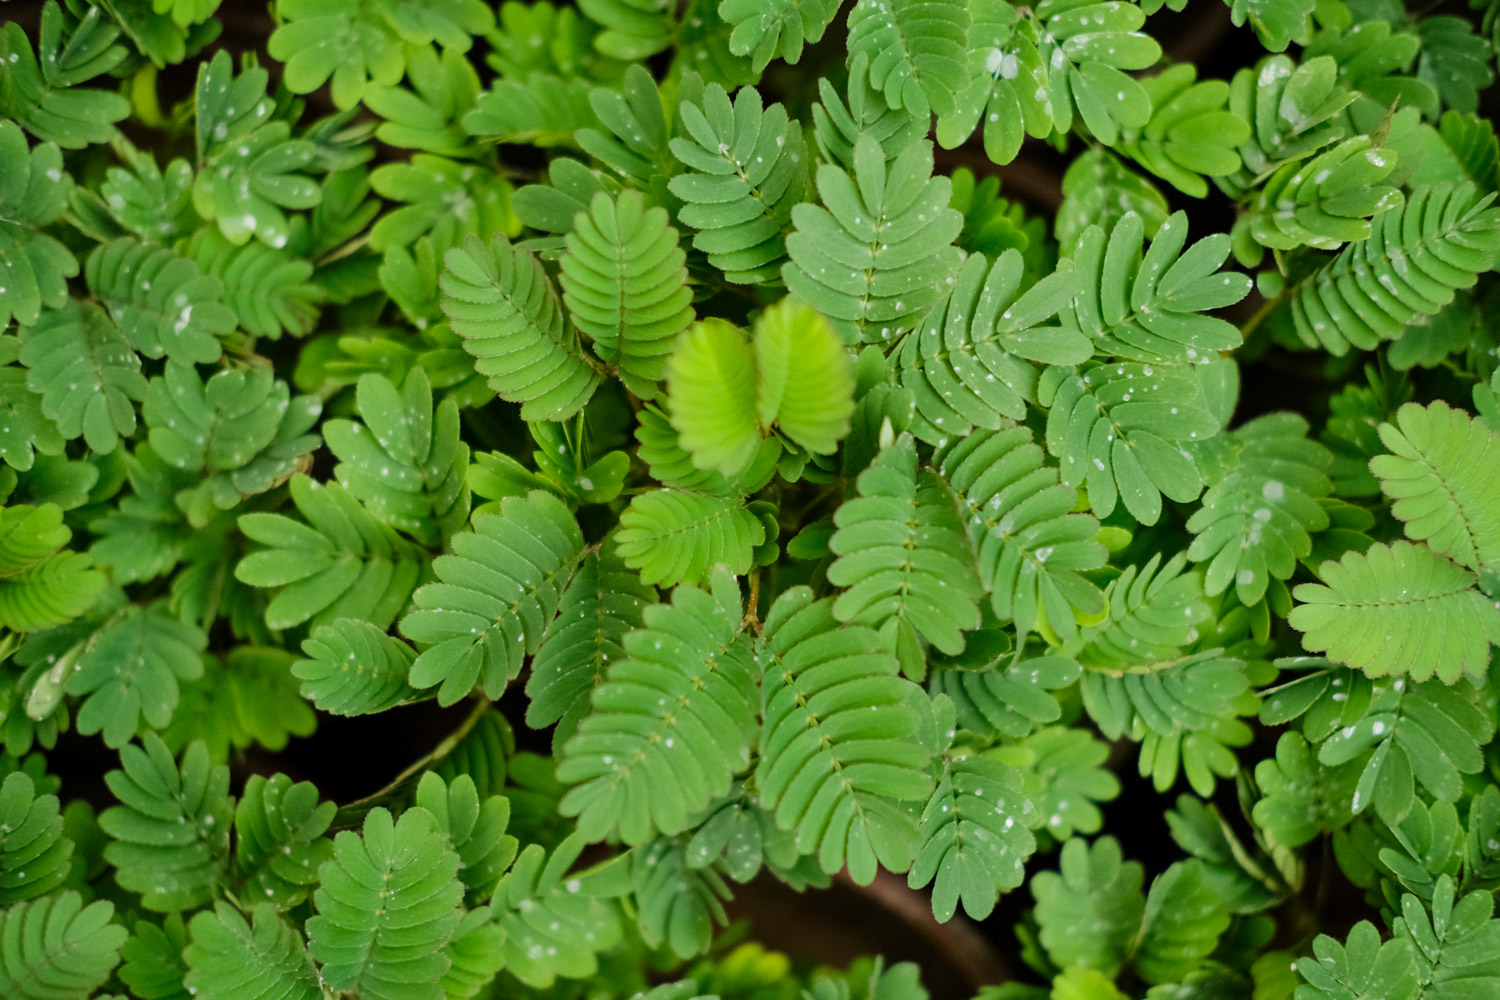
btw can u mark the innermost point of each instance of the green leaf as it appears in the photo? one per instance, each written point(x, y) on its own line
point(805, 381)
point(268, 289)
point(161, 302)
point(474, 828)
point(170, 834)
point(41, 94)
point(1152, 307)
point(673, 536)
point(1114, 427)
point(775, 30)
point(241, 431)
point(85, 372)
point(1087, 48)
point(354, 668)
point(1377, 611)
point(1300, 797)
point(55, 947)
point(552, 928)
point(975, 837)
point(1277, 23)
point(35, 857)
point(601, 606)
point(838, 746)
point(1444, 478)
point(33, 193)
point(230, 959)
point(1259, 519)
point(1033, 546)
point(1444, 237)
point(916, 51)
point(624, 283)
point(904, 557)
point(405, 462)
point(1094, 888)
point(387, 943)
point(251, 167)
point(340, 563)
point(1362, 968)
point(501, 302)
point(1011, 700)
point(1006, 85)
point(711, 380)
point(1190, 135)
point(970, 363)
point(354, 44)
point(41, 586)
point(628, 775)
point(872, 280)
point(129, 672)
point(495, 595)
point(427, 116)
point(1066, 776)
point(279, 843)
point(747, 168)
point(1182, 923)
point(449, 200)
point(154, 966)
point(1100, 190)
point(678, 905)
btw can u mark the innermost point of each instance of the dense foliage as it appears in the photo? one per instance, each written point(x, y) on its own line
point(659, 369)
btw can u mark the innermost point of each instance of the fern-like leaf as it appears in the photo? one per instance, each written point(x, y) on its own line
point(1257, 521)
point(339, 563)
point(475, 828)
point(778, 30)
point(130, 672)
point(1094, 887)
point(905, 559)
point(671, 724)
point(279, 843)
point(1416, 257)
point(969, 363)
point(354, 668)
point(501, 302)
point(877, 253)
point(1153, 307)
point(1033, 547)
point(915, 51)
point(405, 462)
point(267, 288)
point(604, 602)
point(85, 372)
point(1444, 475)
point(58, 947)
point(170, 833)
point(161, 302)
point(387, 904)
point(241, 429)
point(231, 959)
point(747, 167)
point(838, 747)
point(551, 927)
point(495, 595)
point(1114, 428)
point(1398, 609)
point(673, 536)
point(34, 854)
point(678, 905)
point(33, 194)
point(624, 282)
point(975, 836)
